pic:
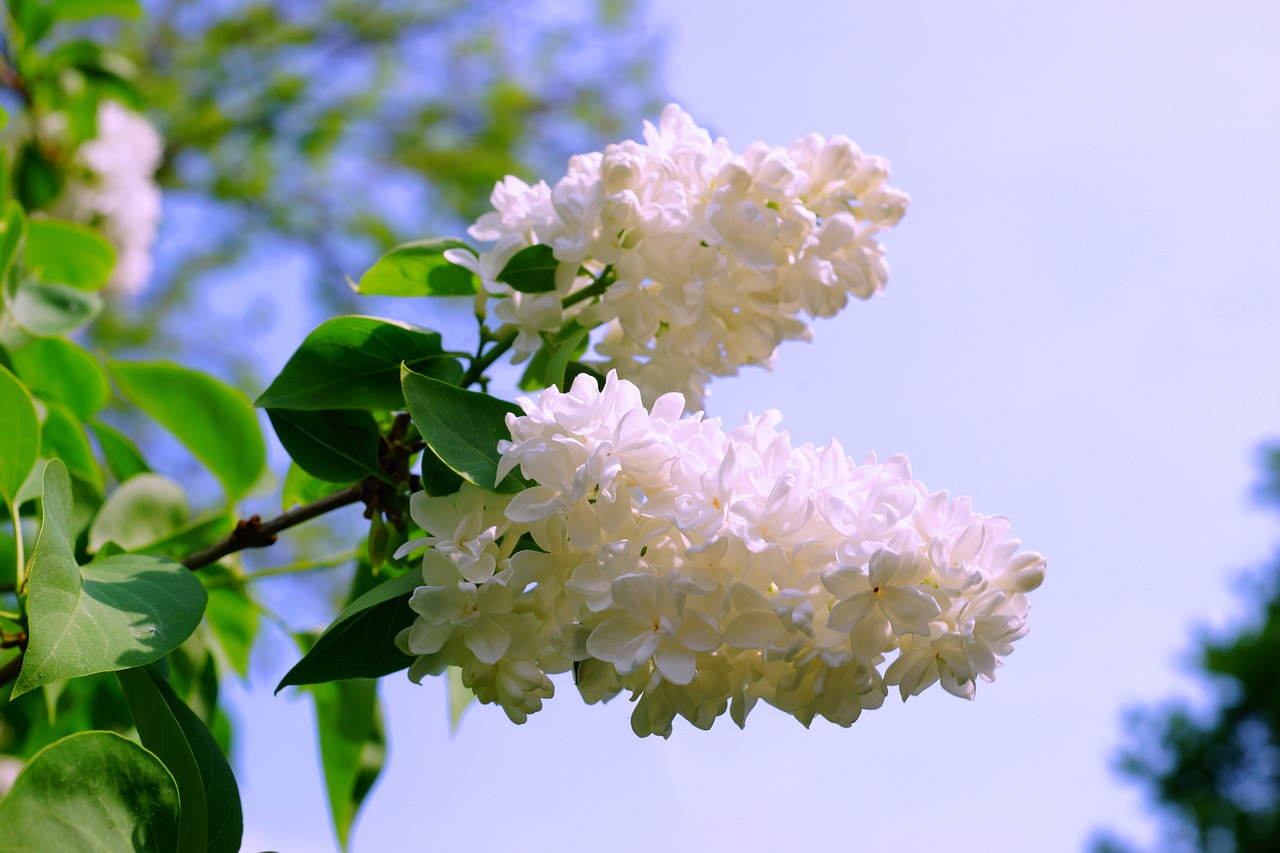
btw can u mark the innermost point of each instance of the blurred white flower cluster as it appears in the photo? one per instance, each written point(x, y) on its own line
point(120, 195)
point(715, 257)
point(704, 569)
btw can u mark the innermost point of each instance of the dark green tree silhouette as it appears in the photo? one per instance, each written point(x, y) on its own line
point(1214, 776)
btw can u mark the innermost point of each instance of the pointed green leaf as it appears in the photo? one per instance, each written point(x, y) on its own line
point(354, 363)
point(13, 229)
point(63, 436)
point(361, 641)
point(419, 269)
point(56, 369)
point(211, 418)
point(461, 427)
point(211, 818)
point(141, 511)
point(49, 310)
point(60, 252)
point(352, 746)
point(531, 270)
point(159, 732)
point(438, 479)
point(460, 698)
point(77, 10)
point(91, 791)
point(122, 455)
point(117, 613)
point(232, 616)
point(339, 445)
point(19, 435)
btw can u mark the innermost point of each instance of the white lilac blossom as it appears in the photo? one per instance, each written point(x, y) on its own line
point(703, 569)
point(119, 193)
point(714, 257)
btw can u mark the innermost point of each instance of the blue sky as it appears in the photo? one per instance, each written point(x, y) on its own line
point(1079, 330)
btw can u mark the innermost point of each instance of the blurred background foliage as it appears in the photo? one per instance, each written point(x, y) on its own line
point(302, 139)
point(1212, 770)
point(326, 132)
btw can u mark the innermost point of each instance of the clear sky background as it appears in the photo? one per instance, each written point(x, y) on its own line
point(1080, 330)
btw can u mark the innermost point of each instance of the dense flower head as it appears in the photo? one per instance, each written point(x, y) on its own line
point(119, 193)
point(704, 569)
point(712, 257)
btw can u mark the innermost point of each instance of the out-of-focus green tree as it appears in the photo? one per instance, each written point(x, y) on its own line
point(333, 129)
point(1214, 775)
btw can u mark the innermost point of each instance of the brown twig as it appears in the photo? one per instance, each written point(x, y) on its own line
point(256, 533)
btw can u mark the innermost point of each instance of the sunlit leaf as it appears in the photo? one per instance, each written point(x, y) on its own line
point(49, 310)
point(352, 746)
point(77, 10)
point(19, 435)
point(57, 369)
point(63, 436)
point(419, 269)
point(59, 252)
point(117, 613)
point(211, 418)
point(122, 456)
point(142, 510)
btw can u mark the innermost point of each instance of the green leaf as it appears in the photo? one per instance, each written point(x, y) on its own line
point(191, 537)
point(212, 419)
point(19, 435)
point(119, 612)
point(300, 488)
point(68, 253)
point(78, 10)
point(419, 269)
point(531, 270)
point(211, 818)
point(461, 427)
point(338, 445)
point(460, 698)
point(37, 181)
point(13, 228)
point(56, 369)
point(438, 479)
point(565, 353)
point(354, 363)
point(49, 310)
point(122, 455)
point(63, 436)
point(145, 508)
point(234, 621)
point(352, 746)
point(361, 641)
point(159, 731)
point(91, 791)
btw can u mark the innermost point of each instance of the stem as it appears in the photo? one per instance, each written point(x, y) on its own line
point(256, 533)
point(502, 343)
point(299, 567)
point(481, 363)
